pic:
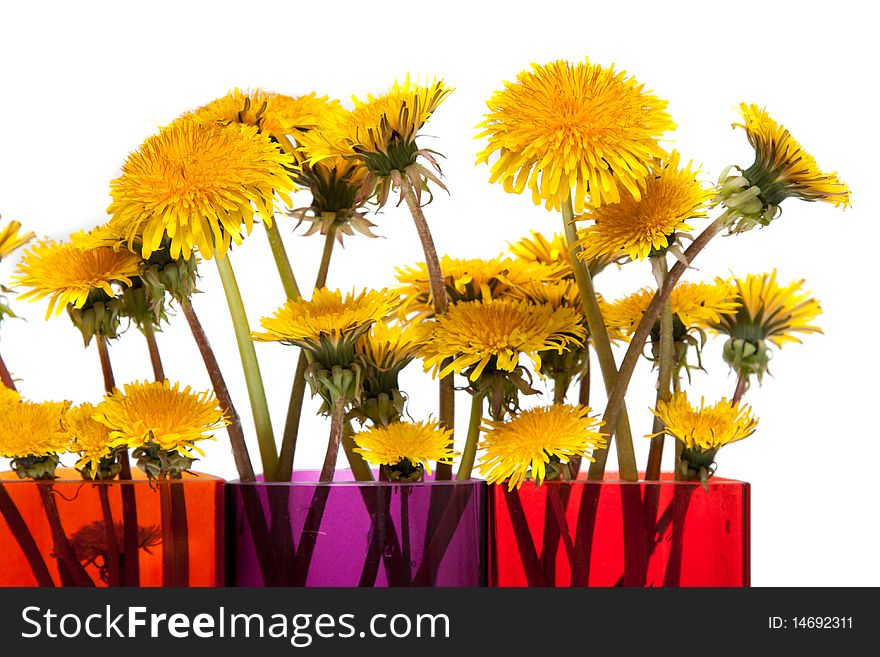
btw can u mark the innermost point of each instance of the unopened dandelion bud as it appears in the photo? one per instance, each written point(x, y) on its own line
point(98, 318)
point(381, 410)
point(746, 357)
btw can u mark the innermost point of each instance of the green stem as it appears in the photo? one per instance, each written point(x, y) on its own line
point(664, 373)
point(298, 390)
point(447, 411)
point(602, 345)
point(469, 454)
point(106, 367)
point(324, 267)
point(560, 389)
point(251, 367)
point(5, 376)
point(282, 262)
point(359, 467)
point(615, 407)
point(742, 382)
point(155, 358)
point(337, 422)
point(234, 429)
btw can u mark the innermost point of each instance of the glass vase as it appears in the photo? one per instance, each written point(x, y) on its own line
point(348, 533)
point(70, 532)
point(617, 533)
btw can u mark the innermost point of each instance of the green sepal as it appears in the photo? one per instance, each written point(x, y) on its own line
point(36, 467)
point(98, 317)
point(403, 472)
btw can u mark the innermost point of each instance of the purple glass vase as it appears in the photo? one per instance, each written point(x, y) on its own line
point(349, 533)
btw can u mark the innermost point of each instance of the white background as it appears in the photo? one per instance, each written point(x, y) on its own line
point(84, 83)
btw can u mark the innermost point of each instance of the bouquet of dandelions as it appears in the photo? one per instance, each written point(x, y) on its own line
point(582, 138)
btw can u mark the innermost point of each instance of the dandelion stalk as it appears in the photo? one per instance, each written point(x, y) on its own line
point(250, 365)
point(359, 467)
point(218, 383)
point(112, 557)
point(131, 571)
point(282, 262)
point(22, 534)
point(324, 267)
point(599, 336)
point(175, 527)
point(253, 507)
point(560, 389)
point(337, 423)
point(440, 301)
point(665, 369)
point(298, 390)
point(584, 400)
point(469, 454)
point(155, 358)
point(615, 408)
point(67, 559)
point(742, 382)
point(5, 376)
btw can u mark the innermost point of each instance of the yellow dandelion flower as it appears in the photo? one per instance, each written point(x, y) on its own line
point(108, 234)
point(29, 429)
point(707, 427)
point(67, 275)
point(383, 129)
point(200, 186)
point(381, 132)
point(768, 311)
point(8, 396)
point(328, 315)
point(556, 294)
point(576, 129)
point(640, 227)
point(525, 444)
point(470, 279)
point(339, 184)
point(782, 167)
point(389, 347)
point(696, 305)
point(159, 413)
point(538, 248)
point(554, 252)
point(420, 443)
point(703, 431)
point(383, 352)
point(275, 114)
point(474, 333)
point(91, 439)
point(11, 238)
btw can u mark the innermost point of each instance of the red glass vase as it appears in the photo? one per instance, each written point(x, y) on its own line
point(617, 533)
point(70, 532)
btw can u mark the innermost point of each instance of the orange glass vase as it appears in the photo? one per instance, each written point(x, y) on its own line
point(70, 532)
